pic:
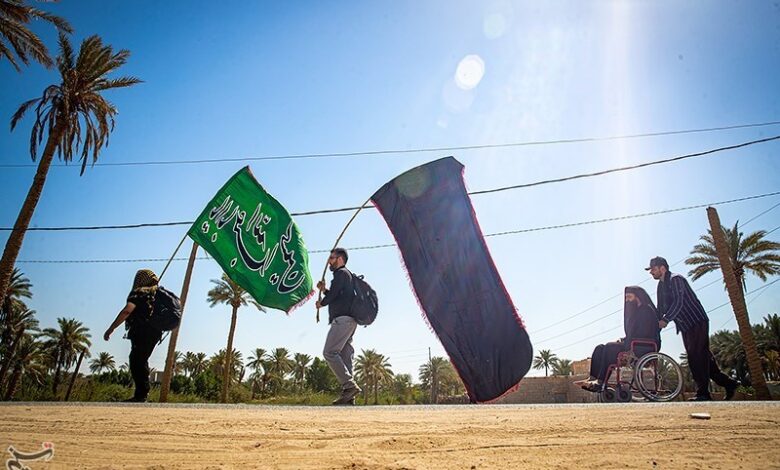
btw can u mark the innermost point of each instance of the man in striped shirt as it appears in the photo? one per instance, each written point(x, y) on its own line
point(678, 303)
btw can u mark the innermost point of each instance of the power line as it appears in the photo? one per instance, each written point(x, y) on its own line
point(632, 167)
point(563, 320)
point(762, 288)
point(486, 191)
point(606, 316)
point(498, 234)
point(416, 150)
point(670, 330)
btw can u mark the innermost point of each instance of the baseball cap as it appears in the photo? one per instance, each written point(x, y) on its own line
point(657, 261)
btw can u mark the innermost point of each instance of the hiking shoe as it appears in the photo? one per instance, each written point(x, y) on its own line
point(701, 398)
point(341, 402)
point(731, 390)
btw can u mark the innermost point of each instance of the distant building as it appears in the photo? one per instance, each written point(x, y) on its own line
point(581, 367)
point(156, 376)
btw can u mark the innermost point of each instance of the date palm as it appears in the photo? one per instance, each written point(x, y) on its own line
point(19, 287)
point(75, 117)
point(373, 369)
point(65, 344)
point(279, 365)
point(545, 360)
point(19, 322)
point(193, 363)
point(431, 375)
point(754, 254)
point(103, 361)
point(226, 291)
point(300, 368)
point(562, 367)
point(30, 361)
point(17, 42)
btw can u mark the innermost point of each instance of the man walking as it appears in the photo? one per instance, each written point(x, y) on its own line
point(143, 336)
point(677, 302)
point(338, 350)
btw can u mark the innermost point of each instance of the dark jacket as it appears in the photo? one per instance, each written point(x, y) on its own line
point(677, 302)
point(339, 297)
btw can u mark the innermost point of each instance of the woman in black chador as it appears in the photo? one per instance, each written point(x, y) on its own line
point(640, 321)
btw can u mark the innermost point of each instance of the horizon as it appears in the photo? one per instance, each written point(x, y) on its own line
point(272, 80)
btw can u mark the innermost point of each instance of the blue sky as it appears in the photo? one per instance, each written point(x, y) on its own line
point(250, 79)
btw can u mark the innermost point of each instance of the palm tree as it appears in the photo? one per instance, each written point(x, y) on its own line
point(431, 374)
point(752, 254)
point(75, 116)
point(103, 361)
point(562, 367)
point(30, 361)
point(19, 322)
point(18, 287)
point(371, 370)
point(15, 15)
point(278, 366)
point(178, 362)
point(192, 364)
point(402, 388)
point(300, 367)
point(257, 363)
point(545, 359)
point(772, 359)
point(64, 344)
point(226, 291)
point(772, 323)
point(730, 253)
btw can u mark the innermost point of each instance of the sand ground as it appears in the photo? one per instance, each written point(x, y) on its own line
point(742, 435)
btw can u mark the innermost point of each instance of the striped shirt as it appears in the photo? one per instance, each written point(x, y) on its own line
point(677, 302)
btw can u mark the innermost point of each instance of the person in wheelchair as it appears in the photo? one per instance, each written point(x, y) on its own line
point(640, 322)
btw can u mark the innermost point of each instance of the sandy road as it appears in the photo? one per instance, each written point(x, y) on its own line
point(739, 435)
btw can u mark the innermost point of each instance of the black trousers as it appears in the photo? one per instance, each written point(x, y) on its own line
point(143, 339)
point(604, 355)
point(700, 360)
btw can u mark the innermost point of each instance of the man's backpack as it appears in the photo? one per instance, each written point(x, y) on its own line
point(365, 304)
point(166, 313)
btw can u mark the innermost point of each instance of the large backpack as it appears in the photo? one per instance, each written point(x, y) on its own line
point(166, 313)
point(365, 304)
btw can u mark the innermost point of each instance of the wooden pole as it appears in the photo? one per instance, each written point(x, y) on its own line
point(737, 297)
point(185, 288)
point(336, 244)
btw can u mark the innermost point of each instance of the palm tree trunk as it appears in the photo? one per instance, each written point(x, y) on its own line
point(75, 374)
point(8, 361)
point(57, 371)
point(14, 383)
point(228, 353)
point(737, 297)
point(14, 243)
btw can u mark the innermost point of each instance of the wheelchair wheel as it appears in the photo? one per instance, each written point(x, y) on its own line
point(658, 377)
point(608, 395)
point(623, 393)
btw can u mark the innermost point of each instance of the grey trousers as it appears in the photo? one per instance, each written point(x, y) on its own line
point(338, 350)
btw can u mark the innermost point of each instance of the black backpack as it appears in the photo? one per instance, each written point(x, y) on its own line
point(365, 304)
point(166, 313)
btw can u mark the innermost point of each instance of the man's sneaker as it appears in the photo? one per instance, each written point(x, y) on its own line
point(701, 398)
point(341, 402)
point(731, 390)
point(348, 395)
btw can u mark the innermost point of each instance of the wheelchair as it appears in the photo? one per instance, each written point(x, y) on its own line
point(642, 372)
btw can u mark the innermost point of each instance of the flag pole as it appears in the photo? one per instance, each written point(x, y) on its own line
point(185, 288)
point(172, 256)
point(335, 245)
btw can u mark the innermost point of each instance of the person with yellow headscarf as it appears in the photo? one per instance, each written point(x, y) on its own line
point(143, 336)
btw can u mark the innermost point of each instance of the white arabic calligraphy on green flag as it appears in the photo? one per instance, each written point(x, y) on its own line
point(255, 241)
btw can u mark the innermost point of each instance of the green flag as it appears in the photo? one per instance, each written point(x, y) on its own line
point(256, 242)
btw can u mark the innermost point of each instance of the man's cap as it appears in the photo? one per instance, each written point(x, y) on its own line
point(657, 261)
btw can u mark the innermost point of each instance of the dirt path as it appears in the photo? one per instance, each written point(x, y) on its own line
point(739, 435)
